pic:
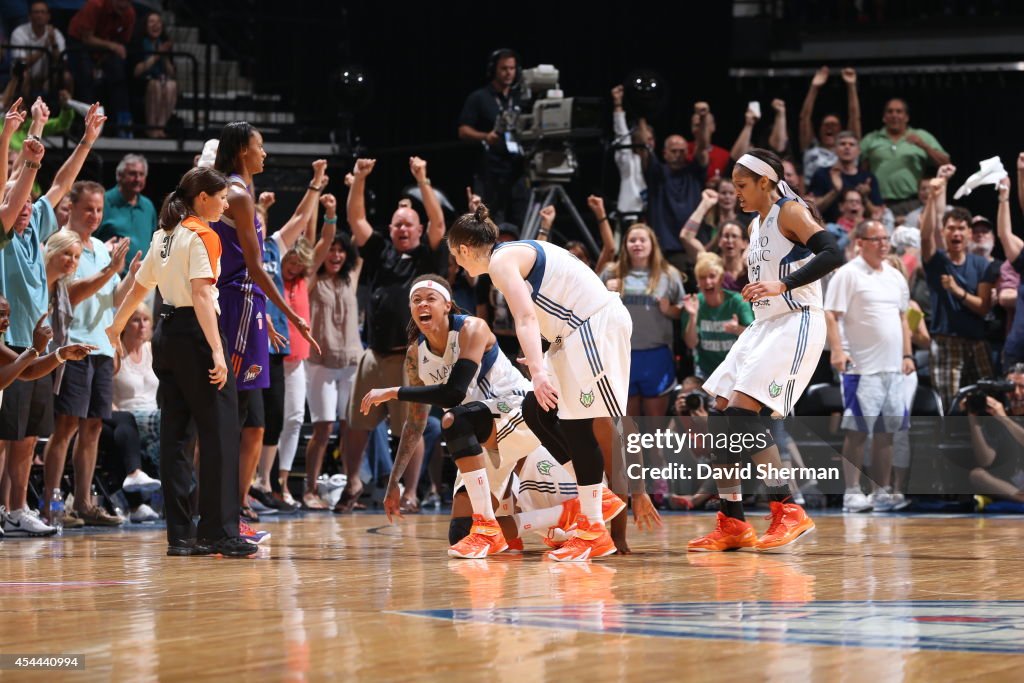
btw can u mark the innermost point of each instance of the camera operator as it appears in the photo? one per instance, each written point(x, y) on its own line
point(997, 441)
point(488, 117)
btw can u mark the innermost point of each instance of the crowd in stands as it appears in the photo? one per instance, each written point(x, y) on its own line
point(921, 299)
point(105, 50)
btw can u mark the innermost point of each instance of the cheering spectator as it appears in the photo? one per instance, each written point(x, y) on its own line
point(632, 186)
point(389, 268)
point(100, 33)
point(820, 152)
point(898, 155)
point(714, 318)
point(651, 289)
point(851, 214)
point(156, 68)
point(731, 244)
point(703, 125)
point(126, 211)
point(41, 63)
point(674, 187)
point(85, 395)
point(1013, 248)
point(777, 140)
point(828, 184)
point(961, 295)
point(28, 411)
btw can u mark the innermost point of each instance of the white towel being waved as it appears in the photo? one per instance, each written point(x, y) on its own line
point(990, 172)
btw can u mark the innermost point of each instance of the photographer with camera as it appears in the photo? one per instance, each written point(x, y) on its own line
point(488, 117)
point(997, 441)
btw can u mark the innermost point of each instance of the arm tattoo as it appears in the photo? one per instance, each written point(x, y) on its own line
point(415, 423)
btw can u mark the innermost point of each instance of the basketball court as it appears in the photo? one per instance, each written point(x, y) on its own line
point(864, 598)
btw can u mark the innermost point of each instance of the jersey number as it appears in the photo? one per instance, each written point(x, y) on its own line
point(165, 247)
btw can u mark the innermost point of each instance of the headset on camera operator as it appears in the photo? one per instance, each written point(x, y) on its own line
point(488, 116)
point(997, 441)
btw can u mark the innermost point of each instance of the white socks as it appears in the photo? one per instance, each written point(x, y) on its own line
point(538, 520)
point(590, 503)
point(479, 491)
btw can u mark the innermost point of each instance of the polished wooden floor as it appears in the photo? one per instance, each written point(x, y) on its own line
point(866, 598)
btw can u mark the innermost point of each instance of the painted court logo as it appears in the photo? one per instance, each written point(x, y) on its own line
point(774, 389)
point(991, 626)
point(587, 399)
point(544, 467)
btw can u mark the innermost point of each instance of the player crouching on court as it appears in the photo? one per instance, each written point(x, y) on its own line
point(453, 361)
point(771, 363)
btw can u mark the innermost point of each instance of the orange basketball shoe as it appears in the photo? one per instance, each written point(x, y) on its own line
point(485, 538)
point(789, 522)
point(515, 545)
point(729, 534)
point(611, 504)
point(591, 541)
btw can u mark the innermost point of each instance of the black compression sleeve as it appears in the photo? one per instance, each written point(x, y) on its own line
point(827, 258)
point(446, 395)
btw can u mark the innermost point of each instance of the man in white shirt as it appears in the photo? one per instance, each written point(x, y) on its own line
point(38, 33)
point(865, 309)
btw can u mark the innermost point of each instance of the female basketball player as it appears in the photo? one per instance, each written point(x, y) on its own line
point(551, 293)
point(454, 361)
point(771, 363)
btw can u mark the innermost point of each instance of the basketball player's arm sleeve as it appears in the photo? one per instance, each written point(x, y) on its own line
point(447, 395)
point(827, 257)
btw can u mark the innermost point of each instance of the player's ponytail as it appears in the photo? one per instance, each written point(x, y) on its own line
point(178, 204)
point(474, 229)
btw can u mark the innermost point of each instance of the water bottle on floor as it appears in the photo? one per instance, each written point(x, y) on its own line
point(57, 510)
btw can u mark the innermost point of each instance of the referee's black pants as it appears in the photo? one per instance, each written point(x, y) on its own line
point(182, 360)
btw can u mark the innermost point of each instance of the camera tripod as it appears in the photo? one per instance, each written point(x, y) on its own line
point(546, 195)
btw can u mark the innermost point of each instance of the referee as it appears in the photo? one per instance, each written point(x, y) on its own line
point(196, 383)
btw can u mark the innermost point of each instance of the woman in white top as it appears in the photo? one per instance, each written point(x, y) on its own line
point(196, 381)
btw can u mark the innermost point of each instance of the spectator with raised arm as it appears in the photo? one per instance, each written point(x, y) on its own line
point(389, 266)
point(704, 126)
point(1013, 248)
point(156, 68)
point(632, 187)
point(829, 183)
point(674, 185)
point(28, 411)
point(961, 295)
point(713, 319)
point(100, 33)
point(778, 139)
point(604, 227)
point(819, 152)
point(898, 156)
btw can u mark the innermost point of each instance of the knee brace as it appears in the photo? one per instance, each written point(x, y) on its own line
point(458, 529)
point(471, 424)
point(588, 459)
point(749, 432)
point(546, 427)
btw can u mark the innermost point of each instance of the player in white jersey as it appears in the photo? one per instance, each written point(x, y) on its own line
point(454, 361)
point(771, 363)
point(551, 294)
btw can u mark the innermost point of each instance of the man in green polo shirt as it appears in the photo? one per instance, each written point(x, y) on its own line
point(126, 211)
point(898, 155)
